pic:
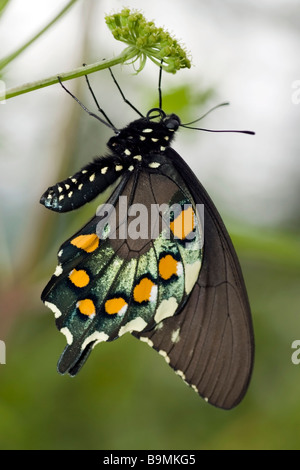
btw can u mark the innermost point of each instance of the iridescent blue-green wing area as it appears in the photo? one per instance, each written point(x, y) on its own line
point(210, 342)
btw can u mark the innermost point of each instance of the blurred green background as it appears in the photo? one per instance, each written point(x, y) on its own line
point(126, 397)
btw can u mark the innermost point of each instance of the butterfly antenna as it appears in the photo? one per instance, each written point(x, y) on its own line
point(108, 124)
point(123, 96)
point(96, 101)
point(218, 130)
point(207, 112)
point(188, 124)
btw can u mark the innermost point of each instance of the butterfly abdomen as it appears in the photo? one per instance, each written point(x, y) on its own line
point(84, 185)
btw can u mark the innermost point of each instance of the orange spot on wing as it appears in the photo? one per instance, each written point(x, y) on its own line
point(86, 307)
point(79, 278)
point(183, 224)
point(88, 243)
point(142, 291)
point(116, 305)
point(167, 267)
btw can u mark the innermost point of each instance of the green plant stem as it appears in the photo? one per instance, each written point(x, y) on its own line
point(3, 5)
point(6, 60)
point(79, 72)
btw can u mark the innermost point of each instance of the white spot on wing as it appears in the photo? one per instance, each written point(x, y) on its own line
point(104, 170)
point(175, 336)
point(154, 165)
point(119, 167)
point(179, 269)
point(123, 310)
point(191, 275)
point(164, 355)
point(97, 336)
point(153, 294)
point(55, 310)
point(69, 337)
point(138, 324)
point(180, 373)
point(138, 157)
point(127, 152)
point(92, 177)
point(166, 309)
point(146, 340)
point(58, 270)
point(159, 326)
point(147, 130)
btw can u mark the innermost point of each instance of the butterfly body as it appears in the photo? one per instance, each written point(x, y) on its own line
point(148, 263)
point(129, 148)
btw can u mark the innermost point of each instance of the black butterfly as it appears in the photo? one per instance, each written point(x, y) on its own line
point(178, 287)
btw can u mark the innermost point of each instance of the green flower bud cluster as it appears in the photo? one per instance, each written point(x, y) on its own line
point(144, 40)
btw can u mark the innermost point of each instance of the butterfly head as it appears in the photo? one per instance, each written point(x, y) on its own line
point(171, 121)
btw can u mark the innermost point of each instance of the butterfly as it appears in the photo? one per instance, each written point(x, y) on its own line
point(155, 261)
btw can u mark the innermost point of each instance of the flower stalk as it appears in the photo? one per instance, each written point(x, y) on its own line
point(143, 39)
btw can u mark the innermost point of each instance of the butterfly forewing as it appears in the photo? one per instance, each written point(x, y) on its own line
point(105, 287)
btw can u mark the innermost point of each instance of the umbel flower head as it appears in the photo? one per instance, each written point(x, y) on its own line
point(144, 40)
